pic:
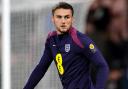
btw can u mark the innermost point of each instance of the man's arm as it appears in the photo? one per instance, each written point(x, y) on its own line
point(40, 69)
point(95, 56)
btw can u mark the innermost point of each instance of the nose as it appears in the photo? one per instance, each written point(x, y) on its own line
point(63, 20)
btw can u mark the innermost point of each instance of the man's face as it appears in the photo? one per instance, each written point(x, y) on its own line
point(63, 20)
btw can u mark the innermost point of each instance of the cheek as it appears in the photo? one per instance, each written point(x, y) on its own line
point(57, 22)
point(69, 21)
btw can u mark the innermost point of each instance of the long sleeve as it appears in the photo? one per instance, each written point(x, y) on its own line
point(40, 69)
point(95, 56)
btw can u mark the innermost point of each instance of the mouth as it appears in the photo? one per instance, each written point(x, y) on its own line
point(63, 26)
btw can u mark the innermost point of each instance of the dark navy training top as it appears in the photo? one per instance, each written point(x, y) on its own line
point(72, 53)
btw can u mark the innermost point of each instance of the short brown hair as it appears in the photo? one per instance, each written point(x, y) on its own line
point(62, 5)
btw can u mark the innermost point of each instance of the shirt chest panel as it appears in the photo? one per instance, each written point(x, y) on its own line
point(64, 47)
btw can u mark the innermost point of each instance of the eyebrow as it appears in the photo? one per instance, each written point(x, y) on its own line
point(63, 16)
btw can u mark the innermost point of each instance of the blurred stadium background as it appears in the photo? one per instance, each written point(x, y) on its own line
point(30, 24)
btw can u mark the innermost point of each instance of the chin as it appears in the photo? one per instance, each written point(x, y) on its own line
point(65, 30)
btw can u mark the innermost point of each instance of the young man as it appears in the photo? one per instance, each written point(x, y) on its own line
point(72, 53)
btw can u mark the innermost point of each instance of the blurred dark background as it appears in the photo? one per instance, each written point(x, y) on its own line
point(106, 24)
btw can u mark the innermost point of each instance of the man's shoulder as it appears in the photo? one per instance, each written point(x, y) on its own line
point(82, 36)
point(86, 40)
point(51, 34)
point(78, 37)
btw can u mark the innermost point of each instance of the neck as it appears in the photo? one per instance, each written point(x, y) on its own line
point(59, 33)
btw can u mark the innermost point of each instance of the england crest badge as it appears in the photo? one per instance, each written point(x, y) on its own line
point(67, 47)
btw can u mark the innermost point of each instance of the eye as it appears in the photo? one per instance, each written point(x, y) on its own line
point(59, 17)
point(66, 17)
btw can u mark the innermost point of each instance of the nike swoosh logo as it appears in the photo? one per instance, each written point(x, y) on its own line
point(53, 45)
